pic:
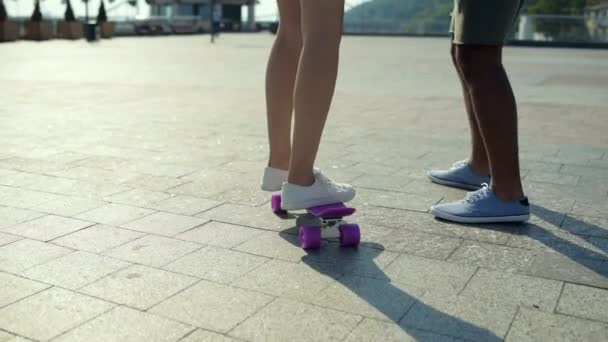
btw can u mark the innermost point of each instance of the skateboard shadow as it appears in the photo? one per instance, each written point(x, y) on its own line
point(356, 269)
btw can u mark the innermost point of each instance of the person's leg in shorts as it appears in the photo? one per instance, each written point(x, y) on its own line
point(479, 31)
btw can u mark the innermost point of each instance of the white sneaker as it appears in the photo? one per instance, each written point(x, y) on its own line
point(273, 179)
point(323, 191)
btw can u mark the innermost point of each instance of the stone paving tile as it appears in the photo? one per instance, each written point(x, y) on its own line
point(535, 165)
point(429, 274)
point(50, 313)
point(155, 251)
point(125, 324)
point(513, 289)
point(387, 183)
point(5, 239)
point(14, 288)
point(424, 187)
point(212, 306)
point(535, 325)
point(601, 163)
point(298, 281)
point(270, 323)
point(206, 336)
point(48, 227)
point(102, 162)
point(75, 187)
point(252, 197)
point(69, 206)
point(592, 226)
point(184, 205)
point(114, 214)
point(588, 171)
point(97, 239)
point(158, 168)
point(275, 246)
point(373, 330)
point(493, 256)
point(138, 197)
point(468, 318)
point(496, 234)
point(421, 244)
point(375, 169)
point(585, 302)
point(545, 238)
point(92, 174)
point(31, 165)
point(19, 339)
point(20, 179)
point(23, 254)
point(367, 199)
point(257, 217)
point(369, 297)
point(372, 233)
point(216, 264)
point(551, 210)
point(201, 189)
point(552, 177)
point(368, 260)
point(22, 198)
point(75, 270)
point(155, 183)
point(4, 337)
point(546, 191)
point(576, 270)
point(592, 209)
point(220, 234)
point(140, 287)
point(166, 224)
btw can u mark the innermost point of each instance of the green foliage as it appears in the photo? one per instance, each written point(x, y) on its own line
point(557, 29)
point(37, 15)
point(3, 14)
point(557, 6)
point(69, 13)
point(101, 14)
point(404, 15)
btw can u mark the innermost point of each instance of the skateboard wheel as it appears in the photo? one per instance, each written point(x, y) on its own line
point(350, 235)
point(310, 237)
point(275, 204)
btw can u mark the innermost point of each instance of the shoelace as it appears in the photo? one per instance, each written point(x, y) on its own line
point(482, 193)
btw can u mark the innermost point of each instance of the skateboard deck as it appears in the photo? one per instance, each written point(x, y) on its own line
point(331, 211)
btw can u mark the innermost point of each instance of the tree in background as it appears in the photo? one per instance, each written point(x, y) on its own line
point(37, 15)
point(102, 17)
point(3, 14)
point(556, 28)
point(559, 6)
point(69, 13)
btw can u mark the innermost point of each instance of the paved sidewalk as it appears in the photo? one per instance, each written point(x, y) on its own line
point(130, 207)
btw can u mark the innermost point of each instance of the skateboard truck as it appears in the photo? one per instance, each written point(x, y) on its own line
point(330, 215)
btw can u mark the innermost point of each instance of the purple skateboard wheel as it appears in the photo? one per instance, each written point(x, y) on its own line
point(335, 210)
point(350, 235)
point(275, 204)
point(310, 237)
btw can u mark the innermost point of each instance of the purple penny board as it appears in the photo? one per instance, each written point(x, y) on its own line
point(329, 211)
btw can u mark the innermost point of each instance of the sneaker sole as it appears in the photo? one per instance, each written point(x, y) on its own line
point(454, 184)
point(493, 219)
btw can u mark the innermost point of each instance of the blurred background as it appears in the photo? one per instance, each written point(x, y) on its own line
point(547, 21)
